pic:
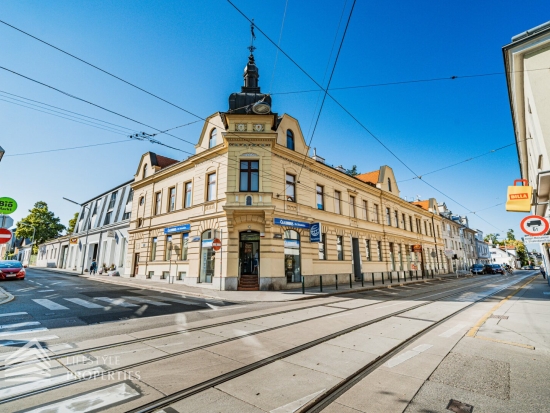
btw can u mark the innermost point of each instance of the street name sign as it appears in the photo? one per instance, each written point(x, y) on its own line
point(7, 205)
point(542, 239)
point(534, 225)
point(5, 235)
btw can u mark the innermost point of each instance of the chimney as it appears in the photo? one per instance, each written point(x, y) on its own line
point(316, 157)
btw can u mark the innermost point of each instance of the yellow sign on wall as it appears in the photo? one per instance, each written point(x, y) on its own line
point(519, 197)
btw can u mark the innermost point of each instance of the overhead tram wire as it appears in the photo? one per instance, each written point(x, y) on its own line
point(349, 113)
point(191, 113)
point(68, 149)
point(277, 52)
point(328, 85)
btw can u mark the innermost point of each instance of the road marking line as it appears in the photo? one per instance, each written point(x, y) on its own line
point(27, 323)
point(35, 385)
point(506, 342)
point(407, 355)
point(38, 283)
point(10, 314)
point(16, 333)
point(99, 399)
point(44, 291)
point(144, 300)
point(83, 303)
point(115, 301)
point(295, 405)
point(177, 300)
point(49, 304)
point(453, 330)
point(473, 331)
point(222, 309)
point(19, 342)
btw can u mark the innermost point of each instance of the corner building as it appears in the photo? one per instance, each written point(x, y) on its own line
point(252, 185)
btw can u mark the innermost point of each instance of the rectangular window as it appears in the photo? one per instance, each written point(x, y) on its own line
point(150, 274)
point(340, 247)
point(425, 228)
point(352, 206)
point(187, 200)
point(337, 202)
point(375, 213)
point(290, 189)
point(184, 246)
point(323, 247)
point(365, 211)
point(168, 248)
point(153, 248)
point(404, 221)
point(107, 218)
point(379, 247)
point(411, 224)
point(367, 246)
point(431, 229)
point(320, 198)
point(165, 275)
point(158, 203)
point(250, 176)
point(418, 226)
point(112, 201)
point(211, 192)
point(126, 215)
point(392, 258)
point(172, 199)
point(388, 217)
point(182, 275)
point(396, 217)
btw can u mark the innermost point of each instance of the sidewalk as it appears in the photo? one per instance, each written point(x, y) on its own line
point(241, 296)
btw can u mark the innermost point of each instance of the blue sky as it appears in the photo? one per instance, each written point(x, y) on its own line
point(193, 53)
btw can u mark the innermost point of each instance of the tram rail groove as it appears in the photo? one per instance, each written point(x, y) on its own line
point(198, 388)
point(254, 365)
point(199, 328)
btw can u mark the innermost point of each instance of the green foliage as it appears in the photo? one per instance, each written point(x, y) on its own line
point(491, 238)
point(45, 222)
point(72, 223)
point(510, 235)
point(353, 171)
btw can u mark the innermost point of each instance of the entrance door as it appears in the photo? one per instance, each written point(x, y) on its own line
point(293, 270)
point(136, 264)
point(356, 258)
point(64, 257)
point(249, 253)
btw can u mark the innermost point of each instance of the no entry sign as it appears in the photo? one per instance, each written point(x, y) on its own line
point(534, 225)
point(5, 235)
point(216, 244)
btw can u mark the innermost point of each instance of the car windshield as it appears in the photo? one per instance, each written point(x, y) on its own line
point(496, 266)
point(10, 264)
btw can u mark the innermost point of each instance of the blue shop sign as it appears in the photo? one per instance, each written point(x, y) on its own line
point(290, 223)
point(179, 228)
point(315, 232)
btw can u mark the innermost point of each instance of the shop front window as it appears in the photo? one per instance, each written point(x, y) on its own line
point(207, 257)
point(292, 263)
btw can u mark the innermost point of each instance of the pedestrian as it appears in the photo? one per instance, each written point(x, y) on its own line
point(543, 272)
point(93, 267)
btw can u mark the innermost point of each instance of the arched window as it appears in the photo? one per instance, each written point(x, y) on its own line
point(389, 185)
point(289, 139)
point(248, 200)
point(144, 171)
point(212, 141)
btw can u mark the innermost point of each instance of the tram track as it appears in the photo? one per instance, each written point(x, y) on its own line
point(261, 363)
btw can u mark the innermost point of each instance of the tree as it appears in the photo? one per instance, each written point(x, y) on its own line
point(521, 251)
point(510, 235)
point(353, 171)
point(46, 224)
point(72, 223)
point(492, 238)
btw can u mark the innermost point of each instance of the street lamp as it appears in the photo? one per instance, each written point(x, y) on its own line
point(87, 230)
point(2, 152)
point(32, 240)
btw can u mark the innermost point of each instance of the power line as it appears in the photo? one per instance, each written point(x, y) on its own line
point(67, 149)
point(277, 52)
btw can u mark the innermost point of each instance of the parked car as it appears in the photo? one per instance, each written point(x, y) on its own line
point(11, 270)
point(493, 269)
point(477, 269)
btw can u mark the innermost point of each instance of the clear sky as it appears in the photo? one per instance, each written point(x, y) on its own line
point(192, 53)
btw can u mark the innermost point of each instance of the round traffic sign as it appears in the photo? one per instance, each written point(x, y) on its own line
point(5, 235)
point(7, 205)
point(534, 225)
point(216, 244)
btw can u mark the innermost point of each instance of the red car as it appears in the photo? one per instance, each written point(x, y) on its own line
point(11, 270)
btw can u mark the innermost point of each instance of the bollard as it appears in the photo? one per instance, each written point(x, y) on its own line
point(321, 282)
point(398, 276)
point(411, 274)
point(416, 275)
point(391, 277)
point(362, 279)
point(303, 285)
point(372, 278)
point(350, 284)
point(382, 273)
point(423, 275)
point(336, 281)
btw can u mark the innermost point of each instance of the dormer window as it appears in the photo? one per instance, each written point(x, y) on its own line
point(389, 184)
point(289, 139)
point(212, 140)
point(144, 171)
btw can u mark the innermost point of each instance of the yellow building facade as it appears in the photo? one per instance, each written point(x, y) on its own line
point(252, 188)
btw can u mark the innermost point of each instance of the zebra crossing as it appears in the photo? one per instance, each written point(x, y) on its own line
point(9, 330)
point(126, 301)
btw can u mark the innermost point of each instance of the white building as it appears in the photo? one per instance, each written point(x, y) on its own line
point(499, 256)
point(482, 247)
point(101, 234)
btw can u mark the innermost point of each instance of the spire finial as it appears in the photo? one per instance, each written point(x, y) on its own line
point(252, 38)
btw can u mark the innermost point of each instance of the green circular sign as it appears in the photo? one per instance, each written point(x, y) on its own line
point(7, 205)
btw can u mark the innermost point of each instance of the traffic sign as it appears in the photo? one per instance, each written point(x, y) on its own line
point(534, 225)
point(544, 239)
point(7, 205)
point(216, 244)
point(5, 235)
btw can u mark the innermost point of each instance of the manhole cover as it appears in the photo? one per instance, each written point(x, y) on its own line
point(501, 317)
point(459, 407)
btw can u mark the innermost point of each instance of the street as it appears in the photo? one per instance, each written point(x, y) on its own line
point(111, 348)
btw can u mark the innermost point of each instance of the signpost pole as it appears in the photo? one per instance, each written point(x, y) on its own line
point(221, 259)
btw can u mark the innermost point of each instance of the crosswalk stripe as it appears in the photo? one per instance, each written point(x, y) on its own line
point(19, 342)
point(144, 300)
point(16, 333)
point(83, 303)
point(11, 314)
point(49, 304)
point(177, 300)
point(117, 301)
point(25, 324)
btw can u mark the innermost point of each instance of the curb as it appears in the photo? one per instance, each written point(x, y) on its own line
point(8, 298)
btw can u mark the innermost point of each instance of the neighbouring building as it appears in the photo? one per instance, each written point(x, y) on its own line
point(54, 253)
point(244, 211)
point(459, 240)
point(501, 255)
point(482, 248)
